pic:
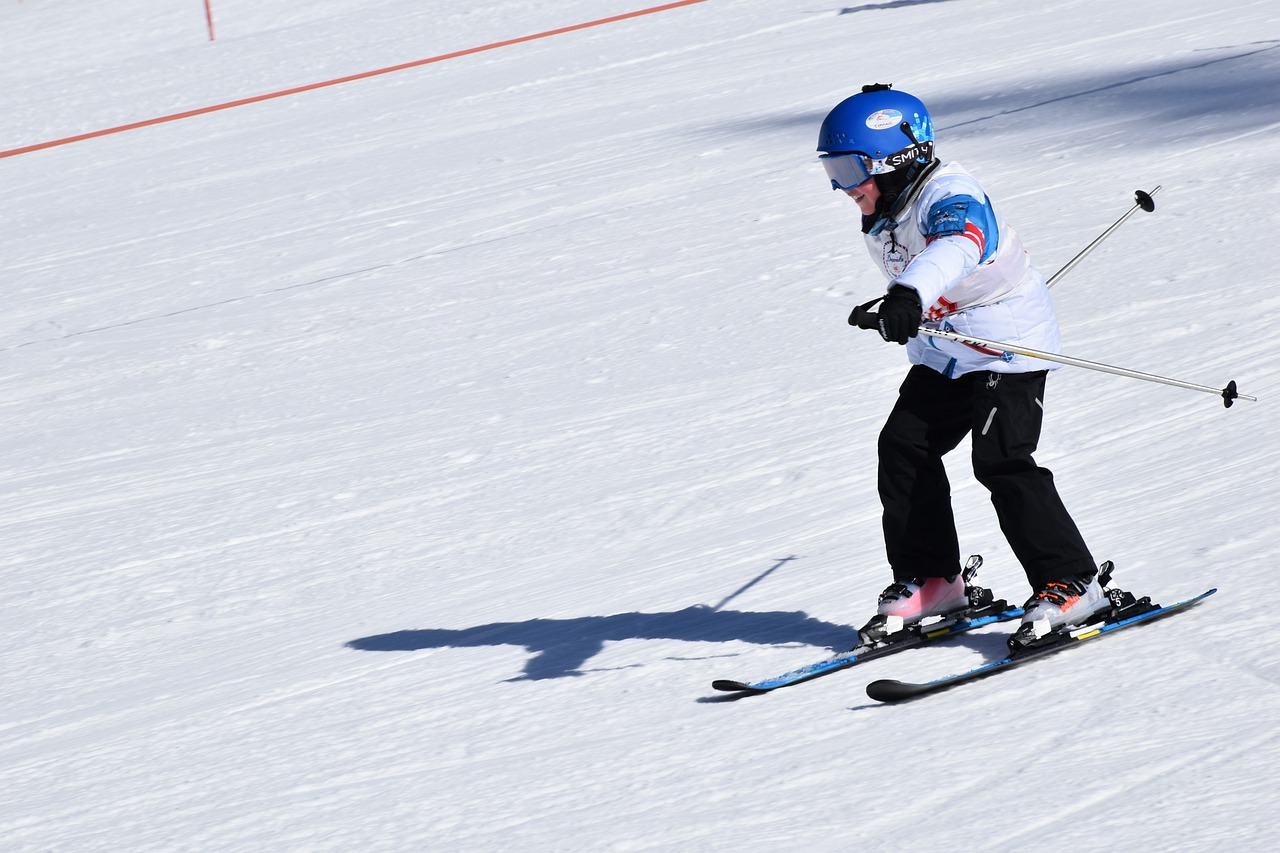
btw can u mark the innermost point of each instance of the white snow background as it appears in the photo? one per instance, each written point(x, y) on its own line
point(393, 466)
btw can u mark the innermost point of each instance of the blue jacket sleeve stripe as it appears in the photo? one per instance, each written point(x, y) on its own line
point(965, 216)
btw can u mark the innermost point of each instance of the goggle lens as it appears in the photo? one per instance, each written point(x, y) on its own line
point(846, 171)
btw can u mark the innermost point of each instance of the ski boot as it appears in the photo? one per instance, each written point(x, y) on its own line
point(905, 605)
point(1058, 608)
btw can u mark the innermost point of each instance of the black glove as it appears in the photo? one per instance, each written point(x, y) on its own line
point(900, 314)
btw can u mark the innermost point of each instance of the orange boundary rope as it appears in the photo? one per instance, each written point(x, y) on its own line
point(40, 146)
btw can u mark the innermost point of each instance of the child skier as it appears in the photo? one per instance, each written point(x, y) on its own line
point(951, 261)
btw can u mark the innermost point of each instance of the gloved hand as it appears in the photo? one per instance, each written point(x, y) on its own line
point(900, 314)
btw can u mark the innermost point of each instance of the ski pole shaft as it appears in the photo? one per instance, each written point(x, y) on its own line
point(864, 318)
point(1228, 394)
point(1142, 201)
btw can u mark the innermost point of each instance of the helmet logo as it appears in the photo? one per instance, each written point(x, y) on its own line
point(884, 119)
point(920, 153)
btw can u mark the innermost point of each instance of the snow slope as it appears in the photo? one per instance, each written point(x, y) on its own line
point(393, 466)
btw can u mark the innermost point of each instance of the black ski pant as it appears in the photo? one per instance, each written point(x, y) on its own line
point(1003, 413)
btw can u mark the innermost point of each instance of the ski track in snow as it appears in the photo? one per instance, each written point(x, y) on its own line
point(394, 466)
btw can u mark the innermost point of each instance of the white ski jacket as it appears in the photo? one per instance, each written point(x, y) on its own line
point(973, 276)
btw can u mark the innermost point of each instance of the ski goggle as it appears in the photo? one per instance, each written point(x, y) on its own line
point(846, 171)
point(850, 168)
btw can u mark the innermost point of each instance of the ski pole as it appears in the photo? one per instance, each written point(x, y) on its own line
point(1229, 394)
point(864, 318)
point(1142, 200)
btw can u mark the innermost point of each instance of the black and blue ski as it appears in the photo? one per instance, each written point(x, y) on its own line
point(1127, 613)
point(880, 637)
point(908, 638)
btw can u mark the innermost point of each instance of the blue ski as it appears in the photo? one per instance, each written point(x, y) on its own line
point(907, 639)
point(1142, 612)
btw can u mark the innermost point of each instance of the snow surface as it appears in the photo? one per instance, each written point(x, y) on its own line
point(394, 466)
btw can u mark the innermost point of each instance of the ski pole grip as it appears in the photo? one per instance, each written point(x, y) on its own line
point(864, 318)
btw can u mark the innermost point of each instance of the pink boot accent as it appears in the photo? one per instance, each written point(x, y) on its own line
point(923, 597)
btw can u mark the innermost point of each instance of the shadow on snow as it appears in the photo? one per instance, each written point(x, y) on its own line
point(888, 4)
point(561, 647)
point(1207, 93)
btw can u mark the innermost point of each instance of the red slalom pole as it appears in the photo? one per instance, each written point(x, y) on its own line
point(208, 15)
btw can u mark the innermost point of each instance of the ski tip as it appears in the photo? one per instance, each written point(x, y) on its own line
point(892, 690)
point(733, 686)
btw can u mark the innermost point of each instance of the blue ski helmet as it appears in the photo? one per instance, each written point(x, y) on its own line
point(875, 132)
